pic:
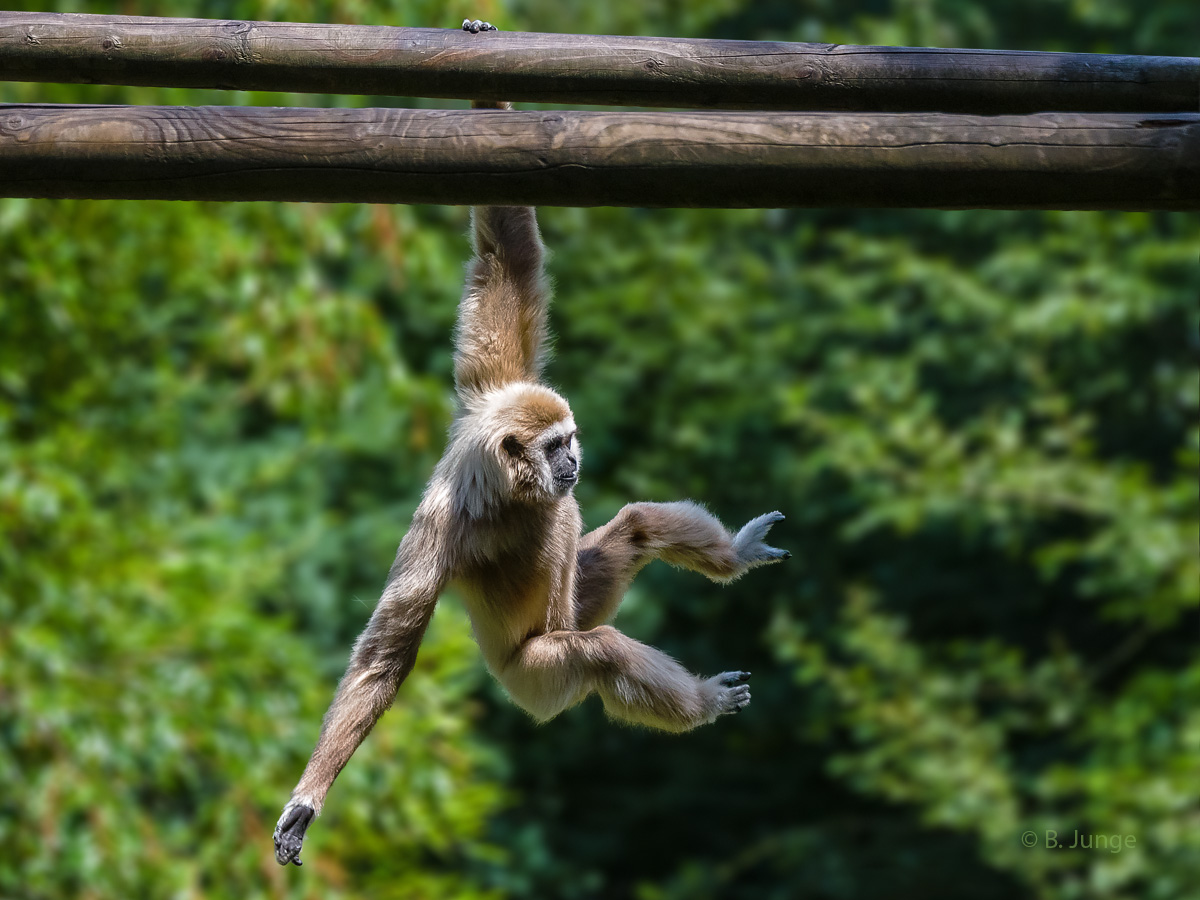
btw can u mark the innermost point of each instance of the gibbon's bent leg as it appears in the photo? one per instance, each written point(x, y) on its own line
point(383, 656)
point(683, 534)
point(638, 683)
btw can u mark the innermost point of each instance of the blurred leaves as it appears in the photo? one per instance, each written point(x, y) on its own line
point(196, 406)
point(983, 429)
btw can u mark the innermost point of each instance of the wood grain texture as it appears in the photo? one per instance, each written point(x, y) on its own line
point(572, 69)
point(677, 159)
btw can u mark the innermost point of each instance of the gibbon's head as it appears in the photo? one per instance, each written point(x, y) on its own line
point(516, 444)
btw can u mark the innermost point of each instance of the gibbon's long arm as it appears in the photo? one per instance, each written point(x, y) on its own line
point(683, 534)
point(383, 656)
point(502, 317)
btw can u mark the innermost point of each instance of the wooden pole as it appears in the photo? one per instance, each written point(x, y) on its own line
point(572, 69)
point(682, 159)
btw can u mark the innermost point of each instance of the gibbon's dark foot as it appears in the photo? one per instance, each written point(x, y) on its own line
point(475, 26)
point(749, 543)
point(734, 694)
point(289, 833)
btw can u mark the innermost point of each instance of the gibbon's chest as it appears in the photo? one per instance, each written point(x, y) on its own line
point(518, 582)
point(521, 584)
point(507, 600)
point(519, 543)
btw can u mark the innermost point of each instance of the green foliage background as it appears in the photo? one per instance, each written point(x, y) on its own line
point(215, 421)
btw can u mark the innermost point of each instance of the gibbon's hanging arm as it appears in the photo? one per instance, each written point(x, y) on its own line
point(674, 159)
point(572, 68)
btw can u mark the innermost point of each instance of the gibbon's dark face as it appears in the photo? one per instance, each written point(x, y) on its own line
point(562, 454)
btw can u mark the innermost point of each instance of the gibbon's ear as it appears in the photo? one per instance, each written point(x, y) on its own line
point(511, 445)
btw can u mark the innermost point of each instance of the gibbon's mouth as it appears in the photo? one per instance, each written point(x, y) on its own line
point(564, 484)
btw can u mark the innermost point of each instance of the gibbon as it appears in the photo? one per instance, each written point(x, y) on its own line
point(498, 520)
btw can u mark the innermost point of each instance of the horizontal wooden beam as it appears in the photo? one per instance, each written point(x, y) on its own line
point(573, 69)
point(683, 159)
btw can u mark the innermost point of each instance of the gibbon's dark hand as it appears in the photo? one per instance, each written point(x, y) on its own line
point(475, 26)
point(733, 694)
point(289, 833)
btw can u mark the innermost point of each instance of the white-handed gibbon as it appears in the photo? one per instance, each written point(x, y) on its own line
point(498, 521)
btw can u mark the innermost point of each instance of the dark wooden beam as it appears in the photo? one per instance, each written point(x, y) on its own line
point(683, 159)
point(573, 69)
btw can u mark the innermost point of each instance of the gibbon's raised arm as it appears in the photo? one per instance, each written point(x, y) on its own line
point(502, 317)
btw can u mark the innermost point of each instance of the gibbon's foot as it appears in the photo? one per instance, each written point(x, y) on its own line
point(475, 26)
point(732, 694)
point(289, 833)
point(749, 544)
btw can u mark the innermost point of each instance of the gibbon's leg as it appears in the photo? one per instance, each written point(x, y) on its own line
point(383, 656)
point(638, 684)
point(682, 534)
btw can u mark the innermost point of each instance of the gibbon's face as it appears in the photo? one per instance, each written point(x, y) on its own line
point(528, 432)
point(544, 466)
point(562, 457)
